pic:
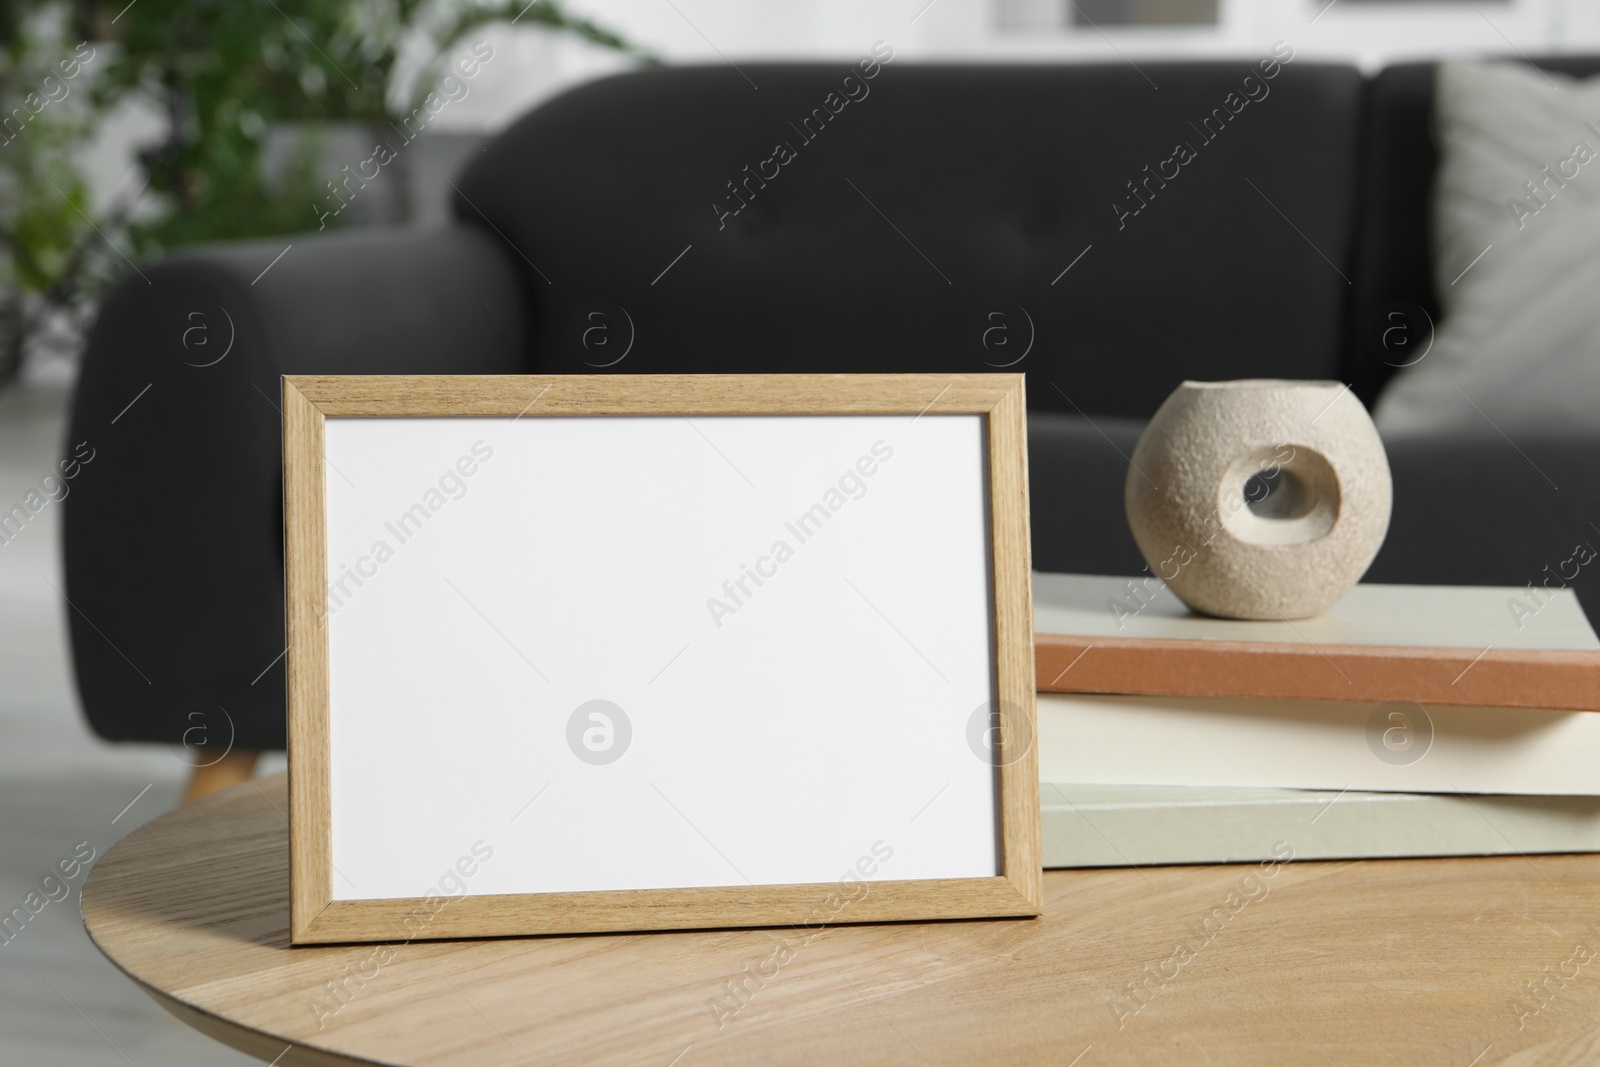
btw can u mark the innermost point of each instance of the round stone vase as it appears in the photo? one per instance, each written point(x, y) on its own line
point(1259, 499)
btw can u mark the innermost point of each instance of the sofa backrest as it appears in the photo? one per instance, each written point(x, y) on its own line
point(939, 218)
point(1394, 230)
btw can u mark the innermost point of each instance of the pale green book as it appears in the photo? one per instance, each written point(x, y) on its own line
point(1147, 826)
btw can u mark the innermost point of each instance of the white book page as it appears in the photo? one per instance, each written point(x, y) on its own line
point(1316, 744)
point(1404, 616)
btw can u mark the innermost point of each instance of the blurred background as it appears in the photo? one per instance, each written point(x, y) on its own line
point(130, 129)
point(190, 122)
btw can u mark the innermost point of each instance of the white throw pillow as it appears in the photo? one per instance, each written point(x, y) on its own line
point(1516, 234)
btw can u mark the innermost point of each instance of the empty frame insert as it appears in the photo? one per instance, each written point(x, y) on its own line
point(597, 653)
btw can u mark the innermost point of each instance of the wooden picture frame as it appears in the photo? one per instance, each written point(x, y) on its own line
point(319, 914)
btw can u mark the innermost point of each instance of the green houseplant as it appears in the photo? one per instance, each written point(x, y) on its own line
point(46, 260)
point(221, 75)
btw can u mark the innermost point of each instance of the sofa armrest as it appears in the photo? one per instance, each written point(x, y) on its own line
point(172, 529)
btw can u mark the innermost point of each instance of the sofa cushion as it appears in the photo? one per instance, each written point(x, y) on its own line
point(936, 198)
point(1393, 257)
point(1516, 222)
point(1472, 510)
point(1076, 470)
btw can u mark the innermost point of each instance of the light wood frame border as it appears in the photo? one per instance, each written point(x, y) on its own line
point(317, 918)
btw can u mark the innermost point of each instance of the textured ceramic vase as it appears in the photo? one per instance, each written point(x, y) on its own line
point(1259, 499)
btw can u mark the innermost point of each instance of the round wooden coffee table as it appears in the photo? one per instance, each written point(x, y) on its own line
point(1449, 962)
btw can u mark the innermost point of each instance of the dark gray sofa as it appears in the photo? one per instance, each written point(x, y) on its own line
point(935, 199)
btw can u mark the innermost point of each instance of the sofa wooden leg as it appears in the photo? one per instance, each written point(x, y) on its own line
point(236, 767)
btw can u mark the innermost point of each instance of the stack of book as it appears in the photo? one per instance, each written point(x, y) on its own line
point(1406, 721)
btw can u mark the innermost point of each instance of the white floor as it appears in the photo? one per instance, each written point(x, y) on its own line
point(61, 1002)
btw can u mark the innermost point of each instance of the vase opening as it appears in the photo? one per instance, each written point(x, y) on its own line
point(1277, 494)
point(1265, 499)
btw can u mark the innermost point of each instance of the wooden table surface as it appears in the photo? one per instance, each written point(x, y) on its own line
point(1451, 961)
